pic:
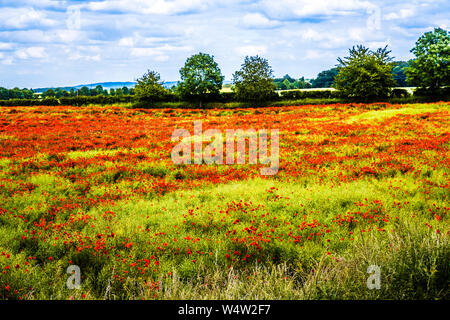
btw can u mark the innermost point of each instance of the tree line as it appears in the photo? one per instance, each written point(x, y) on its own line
point(362, 75)
point(16, 93)
point(325, 79)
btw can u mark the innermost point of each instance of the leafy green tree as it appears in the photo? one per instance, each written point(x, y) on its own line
point(149, 88)
point(286, 85)
point(431, 67)
point(119, 92)
point(365, 74)
point(126, 90)
point(281, 84)
point(254, 81)
point(302, 83)
point(325, 79)
point(4, 94)
point(59, 92)
point(200, 76)
point(112, 92)
point(398, 70)
point(48, 93)
point(99, 90)
point(28, 93)
point(84, 91)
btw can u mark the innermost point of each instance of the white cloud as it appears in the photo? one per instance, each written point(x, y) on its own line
point(251, 50)
point(312, 54)
point(126, 42)
point(20, 18)
point(5, 45)
point(7, 61)
point(357, 34)
point(97, 57)
point(150, 7)
point(257, 20)
point(290, 9)
point(158, 52)
point(378, 44)
point(41, 3)
point(162, 58)
point(139, 41)
point(31, 52)
point(68, 35)
point(401, 14)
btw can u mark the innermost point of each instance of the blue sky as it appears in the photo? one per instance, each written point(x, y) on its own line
point(57, 43)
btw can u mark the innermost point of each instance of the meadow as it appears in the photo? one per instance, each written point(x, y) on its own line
point(358, 185)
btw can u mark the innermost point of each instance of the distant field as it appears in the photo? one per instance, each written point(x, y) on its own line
point(358, 185)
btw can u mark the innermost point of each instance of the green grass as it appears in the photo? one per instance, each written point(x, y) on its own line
point(413, 264)
point(380, 115)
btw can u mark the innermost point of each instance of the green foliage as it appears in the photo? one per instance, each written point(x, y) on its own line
point(84, 91)
point(288, 83)
point(398, 70)
point(325, 79)
point(254, 81)
point(400, 93)
point(149, 88)
point(299, 94)
point(200, 76)
point(365, 74)
point(431, 67)
point(16, 93)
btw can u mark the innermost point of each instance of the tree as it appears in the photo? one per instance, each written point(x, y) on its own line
point(325, 79)
point(84, 91)
point(365, 74)
point(302, 83)
point(149, 88)
point(285, 85)
point(4, 94)
point(48, 93)
point(200, 76)
point(58, 93)
point(119, 92)
point(398, 71)
point(99, 89)
point(254, 81)
point(431, 67)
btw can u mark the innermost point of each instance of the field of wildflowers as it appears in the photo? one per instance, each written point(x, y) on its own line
point(357, 185)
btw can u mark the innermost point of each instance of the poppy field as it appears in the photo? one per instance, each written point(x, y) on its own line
point(358, 185)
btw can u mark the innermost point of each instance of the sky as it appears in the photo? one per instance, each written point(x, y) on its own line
point(50, 43)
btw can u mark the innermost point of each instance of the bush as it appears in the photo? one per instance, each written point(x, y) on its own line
point(435, 93)
point(400, 93)
point(299, 94)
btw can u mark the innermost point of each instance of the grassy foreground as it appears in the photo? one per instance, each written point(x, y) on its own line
point(358, 185)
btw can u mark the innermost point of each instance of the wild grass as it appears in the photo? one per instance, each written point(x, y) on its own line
point(141, 228)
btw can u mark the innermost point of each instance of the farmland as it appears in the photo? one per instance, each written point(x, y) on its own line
point(358, 185)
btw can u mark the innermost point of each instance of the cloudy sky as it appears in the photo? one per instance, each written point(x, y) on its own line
point(57, 43)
